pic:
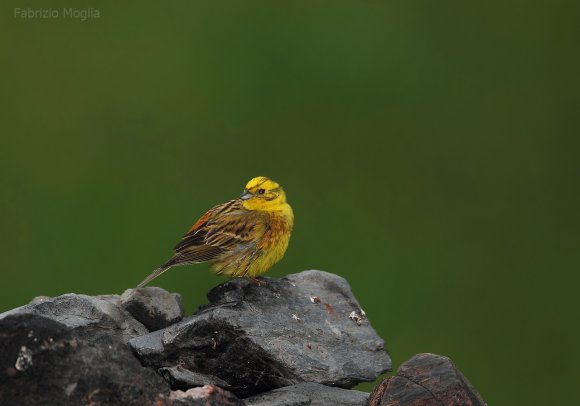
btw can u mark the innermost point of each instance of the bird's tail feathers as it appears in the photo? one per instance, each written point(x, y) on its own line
point(155, 273)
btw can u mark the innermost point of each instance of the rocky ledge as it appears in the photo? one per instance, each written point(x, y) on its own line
point(299, 340)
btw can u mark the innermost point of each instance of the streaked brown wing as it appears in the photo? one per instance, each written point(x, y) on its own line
point(221, 229)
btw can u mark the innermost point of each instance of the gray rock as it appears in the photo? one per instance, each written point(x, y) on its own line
point(92, 316)
point(426, 379)
point(181, 378)
point(154, 307)
point(207, 395)
point(39, 299)
point(43, 362)
point(306, 327)
point(309, 394)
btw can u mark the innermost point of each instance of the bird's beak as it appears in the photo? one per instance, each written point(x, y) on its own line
point(246, 195)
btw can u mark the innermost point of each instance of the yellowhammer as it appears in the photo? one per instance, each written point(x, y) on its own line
point(242, 237)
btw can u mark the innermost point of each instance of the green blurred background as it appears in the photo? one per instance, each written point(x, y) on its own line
point(429, 149)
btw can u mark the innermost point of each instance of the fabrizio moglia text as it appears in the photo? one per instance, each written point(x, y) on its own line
point(69, 13)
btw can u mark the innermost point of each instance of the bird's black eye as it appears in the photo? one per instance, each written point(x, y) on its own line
point(261, 191)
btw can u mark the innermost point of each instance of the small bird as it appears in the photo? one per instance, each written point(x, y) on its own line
point(242, 237)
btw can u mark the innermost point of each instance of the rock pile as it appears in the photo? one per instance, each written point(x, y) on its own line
point(299, 340)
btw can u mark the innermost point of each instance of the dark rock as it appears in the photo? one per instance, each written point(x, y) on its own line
point(309, 394)
point(43, 362)
point(426, 379)
point(181, 378)
point(92, 316)
point(207, 395)
point(306, 327)
point(154, 307)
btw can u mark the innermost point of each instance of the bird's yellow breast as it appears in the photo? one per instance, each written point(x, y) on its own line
point(274, 243)
point(269, 249)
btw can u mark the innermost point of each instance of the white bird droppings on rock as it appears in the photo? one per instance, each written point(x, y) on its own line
point(24, 360)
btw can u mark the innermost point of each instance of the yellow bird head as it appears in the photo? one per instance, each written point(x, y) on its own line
point(262, 193)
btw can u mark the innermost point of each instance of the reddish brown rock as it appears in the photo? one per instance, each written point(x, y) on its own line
point(208, 395)
point(426, 380)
